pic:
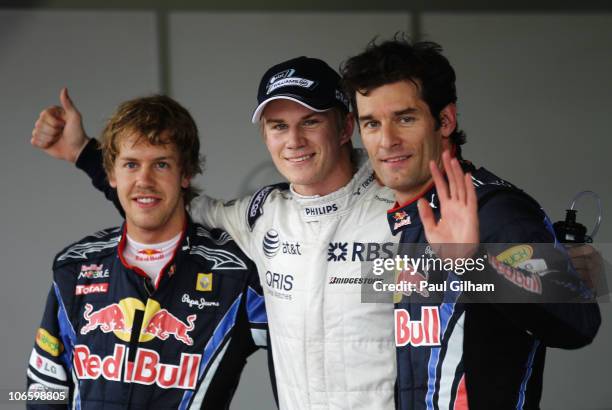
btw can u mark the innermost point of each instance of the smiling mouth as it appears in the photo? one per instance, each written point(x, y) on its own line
point(146, 201)
point(297, 160)
point(395, 160)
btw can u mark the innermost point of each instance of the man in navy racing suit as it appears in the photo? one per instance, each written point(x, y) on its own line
point(161, 312)
point(455, 355)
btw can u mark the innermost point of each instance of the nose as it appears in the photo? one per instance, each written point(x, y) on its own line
point(388, 138)
point(295, 139)
point(145, 177)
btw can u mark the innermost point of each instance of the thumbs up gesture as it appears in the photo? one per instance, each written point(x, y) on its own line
point(59, 130)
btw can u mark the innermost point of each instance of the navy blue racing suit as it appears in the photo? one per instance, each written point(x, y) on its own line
point(453, 354)
point(111, 339)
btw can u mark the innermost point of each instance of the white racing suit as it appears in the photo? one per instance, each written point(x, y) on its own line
point(330, 350)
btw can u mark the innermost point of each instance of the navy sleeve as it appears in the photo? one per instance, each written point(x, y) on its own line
point(49, 362)
point(542, 283)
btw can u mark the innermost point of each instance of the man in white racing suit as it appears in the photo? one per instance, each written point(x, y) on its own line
point(330, 350)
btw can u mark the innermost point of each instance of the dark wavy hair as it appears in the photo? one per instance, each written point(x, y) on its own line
point(150, 117)
point(398, 59)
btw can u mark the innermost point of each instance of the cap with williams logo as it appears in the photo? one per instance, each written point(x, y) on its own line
point(307, 81)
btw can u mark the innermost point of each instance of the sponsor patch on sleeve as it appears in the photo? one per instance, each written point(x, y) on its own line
point(49, 343)
point(47, 367)
point(515, 255)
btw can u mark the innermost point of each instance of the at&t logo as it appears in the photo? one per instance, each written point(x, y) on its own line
point(272, 245)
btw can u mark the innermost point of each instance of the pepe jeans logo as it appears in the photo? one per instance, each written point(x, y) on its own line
point(200, 303)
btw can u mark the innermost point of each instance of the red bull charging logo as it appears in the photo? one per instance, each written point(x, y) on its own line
point(147, 367)
point(157, 323)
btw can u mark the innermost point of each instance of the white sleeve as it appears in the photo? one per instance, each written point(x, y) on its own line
point(229, 216)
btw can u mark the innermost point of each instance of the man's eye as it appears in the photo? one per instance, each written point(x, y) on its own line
point(311, 122)
point(407, 119)
point(130, 165)
point(371, 124)
point(163, 165)
point(279, 127)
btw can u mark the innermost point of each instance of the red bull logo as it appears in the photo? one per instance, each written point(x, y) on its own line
point(424, 332)
point(401, 219)
point(149, 255)
point(163, 324)
point(109, 319)
point(157, 323)
point(531, 283)
point(146, 369)
point(93, 271)
point(400, 215)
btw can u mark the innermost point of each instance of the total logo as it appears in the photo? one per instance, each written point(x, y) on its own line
point(145, 369)
point(359, 251)
point(157, 322)
point(272, 244)
point(424, 332)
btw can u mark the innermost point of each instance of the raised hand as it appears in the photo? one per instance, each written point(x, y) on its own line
point(456, 234)
point(588, 262)
point(59, 130)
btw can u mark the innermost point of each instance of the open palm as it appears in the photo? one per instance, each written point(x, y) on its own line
point(455, 234)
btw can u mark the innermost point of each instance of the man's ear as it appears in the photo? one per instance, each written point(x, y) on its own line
point(448, 120)
point(347, 128)
point(185, 181)
point(111, 179)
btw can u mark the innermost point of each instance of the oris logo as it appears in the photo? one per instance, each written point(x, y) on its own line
point(271, 243)
point(279, 281)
